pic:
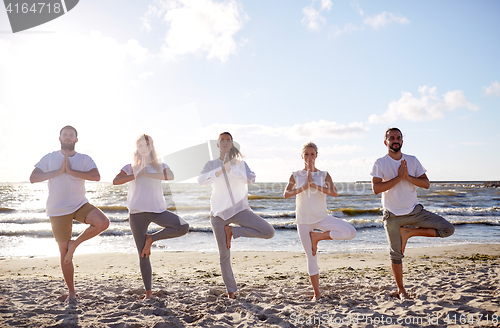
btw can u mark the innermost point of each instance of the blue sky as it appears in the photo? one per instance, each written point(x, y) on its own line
point(276, 74)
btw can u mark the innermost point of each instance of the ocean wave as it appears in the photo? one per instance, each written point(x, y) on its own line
point(469, 211)
point(490, 222)
point(349, 211)
point(24, 220)
point(444, 193)
point(113, 208)
point(6, 210)
point(188, 208)
point(278, 215)
point(264, 197)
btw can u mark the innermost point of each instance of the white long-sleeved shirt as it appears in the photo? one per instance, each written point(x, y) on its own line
point(229, 190)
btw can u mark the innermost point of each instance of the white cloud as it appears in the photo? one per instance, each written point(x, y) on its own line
point(145, 75)
point(326, 4)
point(310, 130)
point(341, 150)
point(426, 108)
point(313, 19)
point(493, 89)
point(384, 19)
point(348, 28)
point(355, 5)
point(198, 27)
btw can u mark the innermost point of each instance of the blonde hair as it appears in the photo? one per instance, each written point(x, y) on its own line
point(309, 144)
point(152, 155)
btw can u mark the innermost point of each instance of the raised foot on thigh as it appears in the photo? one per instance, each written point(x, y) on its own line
point(146, 251)
point(71, 250)
point(229, 235)
point(405, 233)
point(314, 241)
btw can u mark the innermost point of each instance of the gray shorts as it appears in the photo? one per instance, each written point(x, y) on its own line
point(419, 218)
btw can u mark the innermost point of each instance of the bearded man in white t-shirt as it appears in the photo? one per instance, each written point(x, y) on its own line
point(395, 176)
point(66, 172)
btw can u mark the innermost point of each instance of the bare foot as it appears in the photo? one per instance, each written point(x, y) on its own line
point(146, 251)
point(229, 234)
point(314, 298)
point(71, 250)
point(314, 241)
point(70, 298)
point(404, 296)
point(405, 235)
point(148, 296)
point(231, 295)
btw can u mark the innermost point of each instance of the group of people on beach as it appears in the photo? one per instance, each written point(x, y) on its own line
point(395, 175)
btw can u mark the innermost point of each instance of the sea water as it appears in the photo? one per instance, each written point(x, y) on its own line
point(25, 229)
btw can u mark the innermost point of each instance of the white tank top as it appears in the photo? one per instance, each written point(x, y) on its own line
point(311, 203)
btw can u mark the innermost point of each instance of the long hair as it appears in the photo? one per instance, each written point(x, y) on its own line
point(153, 157)
point(233, 152)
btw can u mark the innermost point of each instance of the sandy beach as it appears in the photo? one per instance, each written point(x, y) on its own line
point(449, 286)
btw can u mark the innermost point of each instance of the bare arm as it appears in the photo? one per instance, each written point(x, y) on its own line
point(422, 181)
point(122, 178)
point(92, 175)
point(290, 192)
point(379, 186)
point(167, 174)
point(38, 175)
point(329, 188)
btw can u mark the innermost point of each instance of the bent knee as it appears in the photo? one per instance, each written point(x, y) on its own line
point(352, 234)
point(446, 232)
point(269, 233)
point(102, 224)
point(183, 229)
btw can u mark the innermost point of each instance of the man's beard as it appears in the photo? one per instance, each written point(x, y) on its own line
point(67, 146)
point(396, 150)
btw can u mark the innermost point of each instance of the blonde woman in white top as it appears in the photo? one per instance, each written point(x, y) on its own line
point(229, 177)
point(311, 186)
point(146, 204)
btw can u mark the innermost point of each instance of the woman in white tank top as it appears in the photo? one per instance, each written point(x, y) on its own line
point(311, 186)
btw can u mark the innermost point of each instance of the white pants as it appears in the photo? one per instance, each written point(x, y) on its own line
point(339, 230)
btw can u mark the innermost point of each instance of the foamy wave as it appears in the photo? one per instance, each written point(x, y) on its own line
point(469, 211)
point(492, 222)
point(366, 223)
point(24, 220)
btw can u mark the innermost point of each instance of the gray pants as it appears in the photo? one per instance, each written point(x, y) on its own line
point(417, 218)
point(173, 226)
point(250, 225)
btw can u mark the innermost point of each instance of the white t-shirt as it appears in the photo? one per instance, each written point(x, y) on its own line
point(311, 203)
point(402, 198)
point(145, 194)
point(66, 193)
point(228, 196)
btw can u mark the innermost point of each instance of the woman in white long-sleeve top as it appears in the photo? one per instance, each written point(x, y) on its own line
point(311, 188)
point(229, 176)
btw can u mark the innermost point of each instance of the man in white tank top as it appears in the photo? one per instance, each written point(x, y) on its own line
point(395, 175)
